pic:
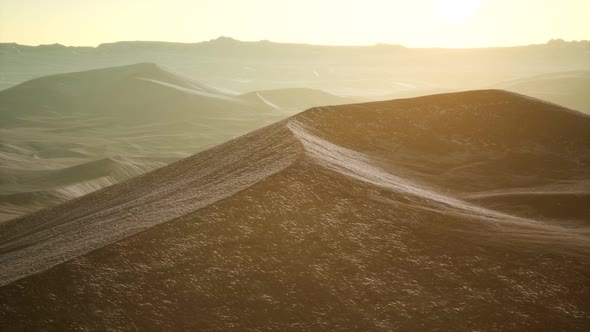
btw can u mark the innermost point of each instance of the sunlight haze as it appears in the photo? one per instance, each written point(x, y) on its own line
point(302, 165)
point(421, 23)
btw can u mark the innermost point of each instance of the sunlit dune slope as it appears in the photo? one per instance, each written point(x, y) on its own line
point(371, 216)
point(141, 115)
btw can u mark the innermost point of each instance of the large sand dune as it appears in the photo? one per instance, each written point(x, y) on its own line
point(66, 135)
point(379, 216)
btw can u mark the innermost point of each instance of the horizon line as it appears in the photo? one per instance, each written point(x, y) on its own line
point(231, 39)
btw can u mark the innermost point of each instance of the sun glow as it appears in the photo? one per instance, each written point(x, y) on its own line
point(457, 11)
point(414, 23)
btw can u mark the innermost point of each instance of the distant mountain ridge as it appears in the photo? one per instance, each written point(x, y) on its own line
point(365, 71)
point(223, 40)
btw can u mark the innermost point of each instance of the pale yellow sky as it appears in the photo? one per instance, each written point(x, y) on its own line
point(414, 23)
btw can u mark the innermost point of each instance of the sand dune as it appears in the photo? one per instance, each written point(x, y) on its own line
point(70, 134)
point(569, 89)
point(296, 98)
point(357, 217)
point(30, 190)
point(142, 90)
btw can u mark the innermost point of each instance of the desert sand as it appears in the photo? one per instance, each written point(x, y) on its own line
point(394, 215)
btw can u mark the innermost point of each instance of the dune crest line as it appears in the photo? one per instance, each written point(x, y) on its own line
point(39, 241)
point(358, 166)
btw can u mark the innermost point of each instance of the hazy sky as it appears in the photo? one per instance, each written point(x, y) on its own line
point(414, 23)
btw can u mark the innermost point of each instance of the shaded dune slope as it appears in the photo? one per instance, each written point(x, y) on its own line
point(357, 217)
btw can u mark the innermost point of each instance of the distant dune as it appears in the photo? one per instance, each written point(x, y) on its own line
point(369, 72)
point(70, 134)
point(295, 98)
point(369, 217)
point(569, 89)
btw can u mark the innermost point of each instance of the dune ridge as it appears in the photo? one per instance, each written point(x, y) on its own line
point(94, 221)
point(354, 217)
point(360, 168)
